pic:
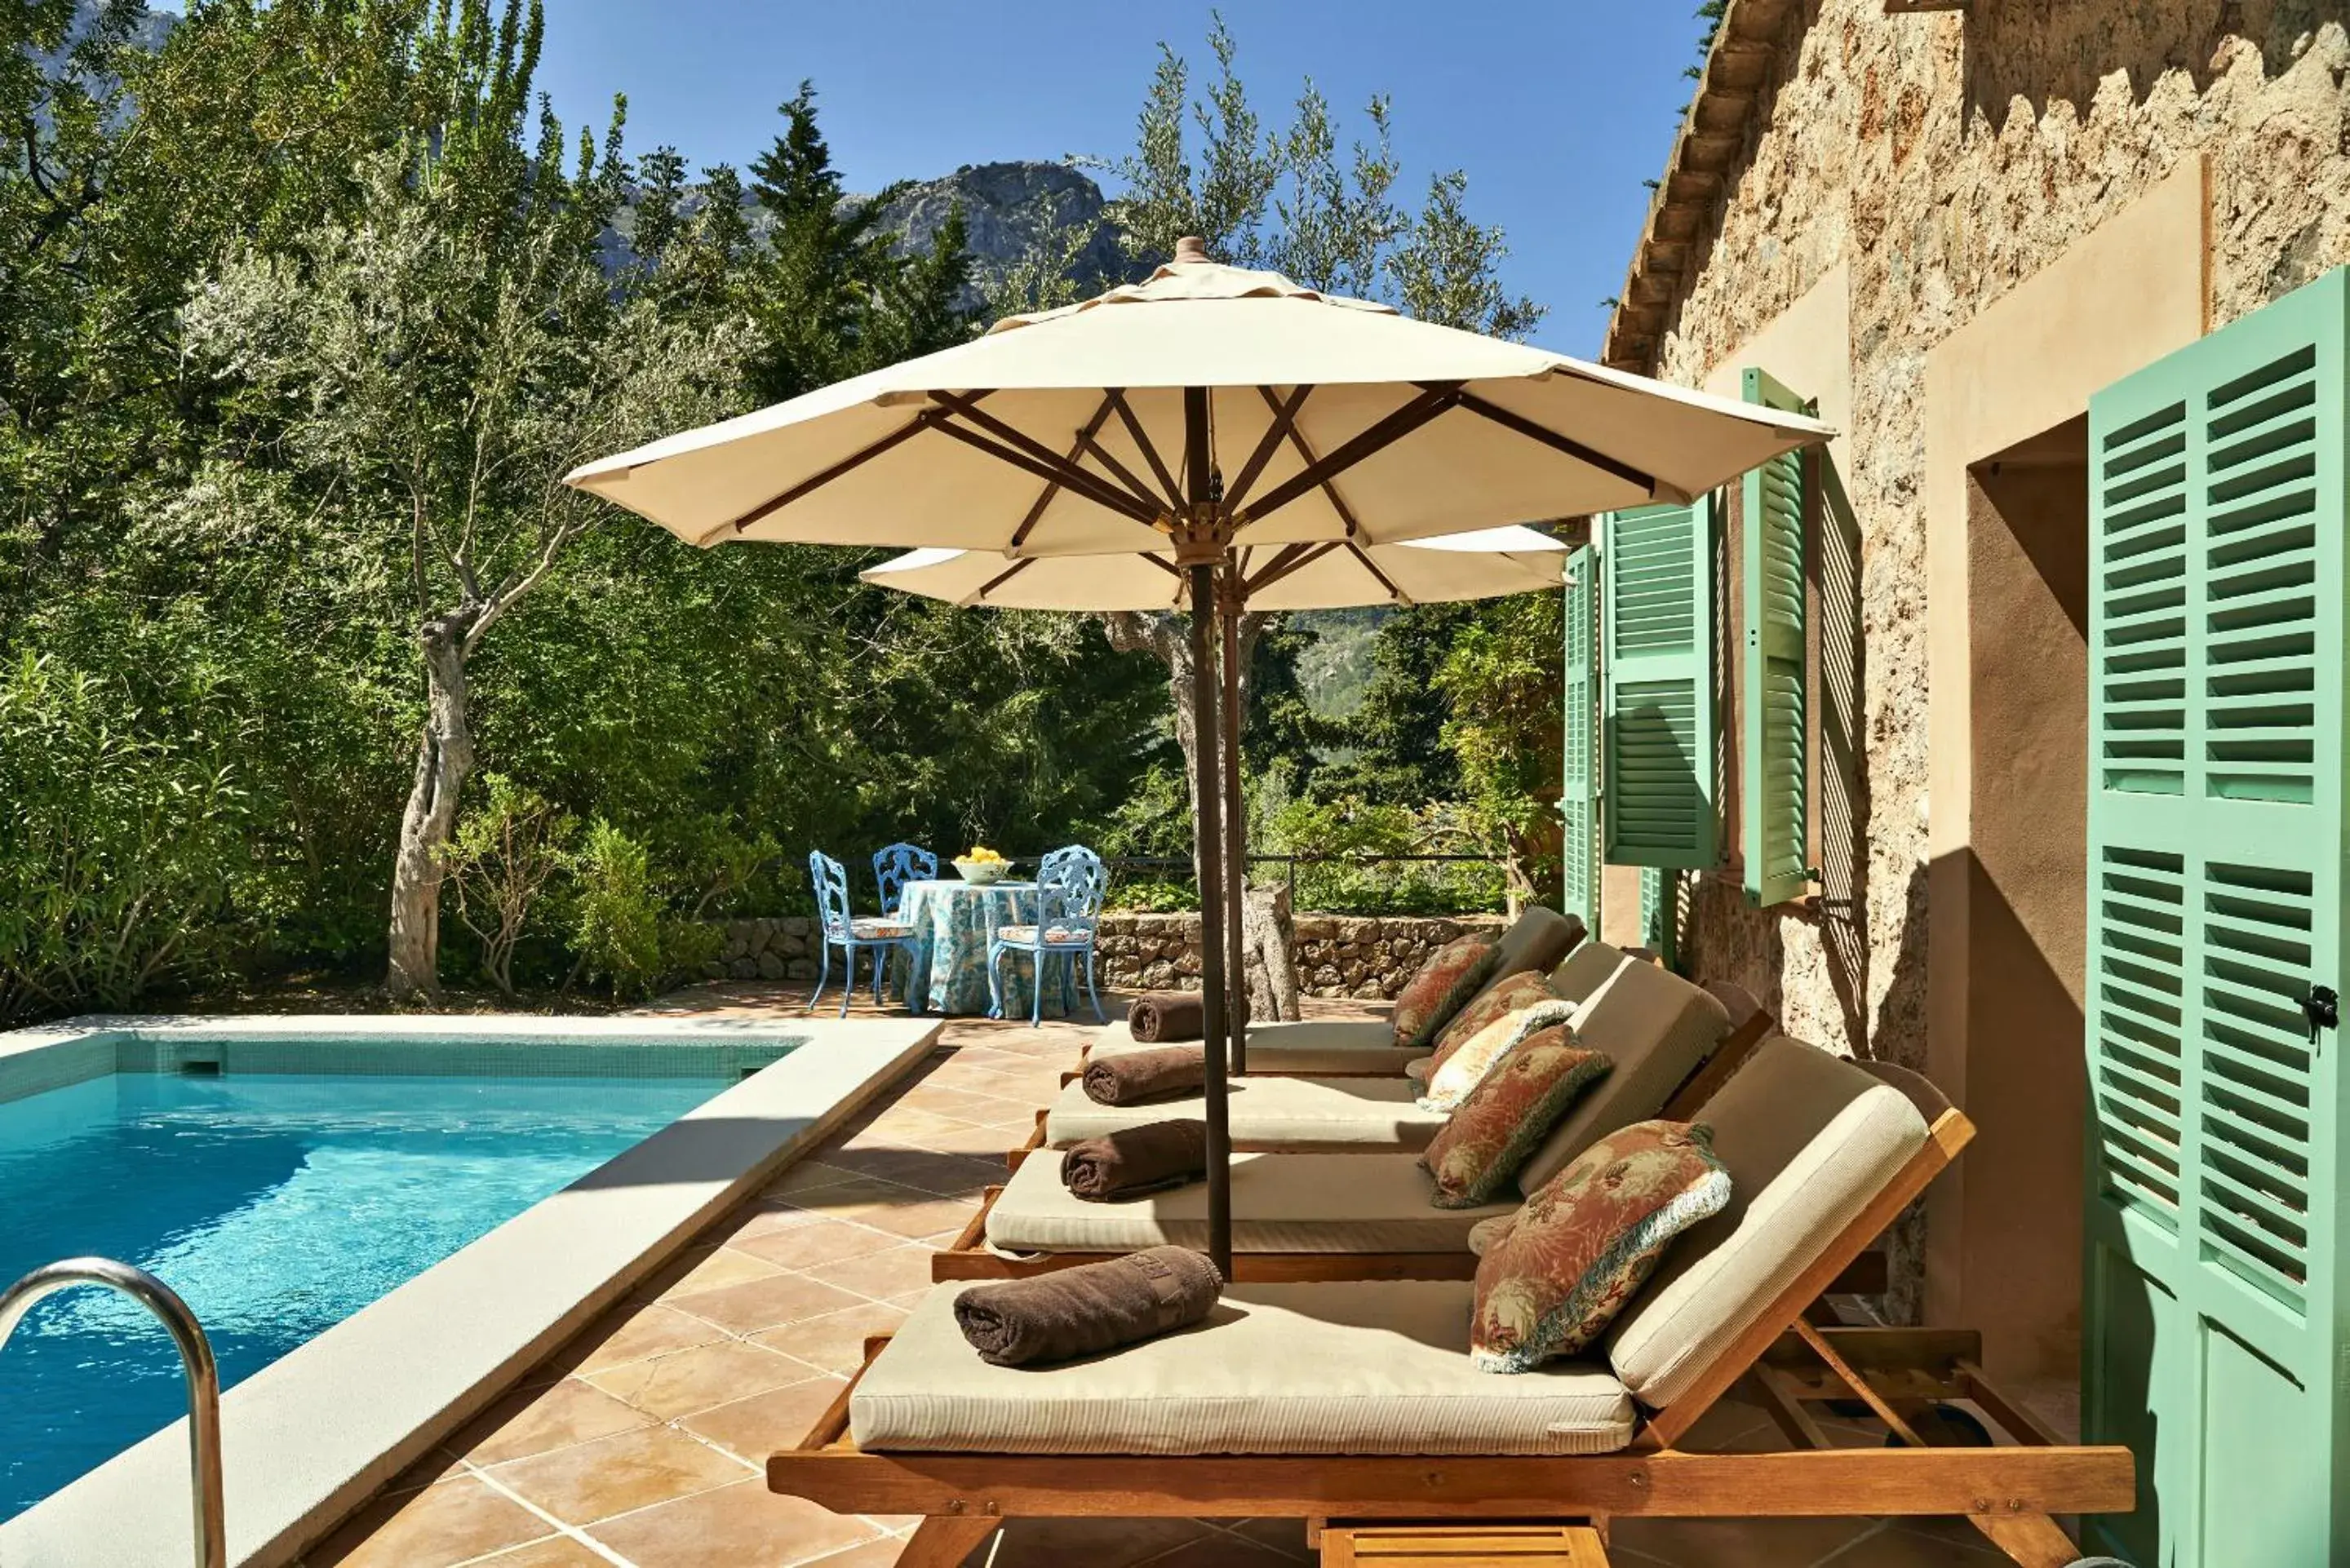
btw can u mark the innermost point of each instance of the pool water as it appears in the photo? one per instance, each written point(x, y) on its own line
point(277, 1204)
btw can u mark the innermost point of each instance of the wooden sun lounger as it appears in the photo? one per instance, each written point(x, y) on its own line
point(969, 1258)
point(1357, 1507)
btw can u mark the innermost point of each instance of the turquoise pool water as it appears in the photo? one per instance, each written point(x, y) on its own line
point(277, 1203)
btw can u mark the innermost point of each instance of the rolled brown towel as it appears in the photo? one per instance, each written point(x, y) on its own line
point(1166, 1016)
point(1089, 1309)
point(1136, 1160)
point(1131, 1076)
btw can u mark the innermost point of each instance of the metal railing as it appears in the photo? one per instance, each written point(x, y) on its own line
point(1291, 862)
point(195, 1359)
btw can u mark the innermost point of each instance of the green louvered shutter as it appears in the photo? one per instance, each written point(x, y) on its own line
point(1774, 738)
point(1655, 608)
point(1660, 923)
point(2213, 1312)
point(1579, 802)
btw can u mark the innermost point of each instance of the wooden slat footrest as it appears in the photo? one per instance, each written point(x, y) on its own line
point(1462, 1546)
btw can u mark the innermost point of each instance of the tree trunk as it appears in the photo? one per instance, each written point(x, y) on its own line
point(1271, 963)
point(444, 759)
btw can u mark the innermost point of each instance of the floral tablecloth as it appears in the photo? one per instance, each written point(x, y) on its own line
point(946, 964)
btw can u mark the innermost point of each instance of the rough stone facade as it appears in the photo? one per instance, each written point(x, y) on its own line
point(1945, 158)
point(1337, 955)
point(782, 947)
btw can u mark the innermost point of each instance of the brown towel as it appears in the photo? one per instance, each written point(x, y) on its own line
point(1089, 1309)
point(1166, 1016)
point(1130, 1076)
point(1136, 1160)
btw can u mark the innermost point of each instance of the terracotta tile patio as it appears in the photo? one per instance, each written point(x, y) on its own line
point(641, 1443)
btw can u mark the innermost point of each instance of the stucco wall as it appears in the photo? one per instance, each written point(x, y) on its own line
point(1937, 162)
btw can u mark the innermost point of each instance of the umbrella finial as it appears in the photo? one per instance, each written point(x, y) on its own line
point(1191, 248)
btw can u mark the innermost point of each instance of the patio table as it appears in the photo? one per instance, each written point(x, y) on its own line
point(946, 964)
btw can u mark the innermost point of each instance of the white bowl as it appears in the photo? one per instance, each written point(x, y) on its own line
point(981, 873)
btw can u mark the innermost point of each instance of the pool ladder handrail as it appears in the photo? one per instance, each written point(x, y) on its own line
point(195, 1358)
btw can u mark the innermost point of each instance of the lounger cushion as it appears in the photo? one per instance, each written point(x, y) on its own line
point(1512, 994)
point(1587, 1241)
point(1505, 1115)
point(1536, 940)
point(1585, 970)
point(1378, 1368)
point(1657, 1029)
point(1281, 1204)
point(1809, 1140)
point(1270, 1114)
point(1300, 1049)
point(1451, 976)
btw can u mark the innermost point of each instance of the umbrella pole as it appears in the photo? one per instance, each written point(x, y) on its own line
point(1207, 839)
point(1236, 1012)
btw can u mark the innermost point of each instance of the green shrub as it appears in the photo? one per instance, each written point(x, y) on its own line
point(503, 853)
point(616, 912)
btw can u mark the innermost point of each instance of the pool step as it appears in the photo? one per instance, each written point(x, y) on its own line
point(1462, 1546)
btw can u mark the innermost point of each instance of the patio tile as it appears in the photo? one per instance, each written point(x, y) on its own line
point(669, 1386)
point(1777, 1542)
point(1285, 1536)
point(451, 1521)
point(539, 1421)
point(949, 1175)
point(635, 1334)
point(1096, 1542)
point(926, 1218)
point(804, 1174)
point(853, 1199)
point(765, 1303)
point(617, 1475)
point(554, 1552)
point(763, 1423)
point(824, 1241)
point(880, 1275)
point(1943, 1542)
point(708, 1270)
point(739, 1526)
point(836, 1341)
point(880, 1553)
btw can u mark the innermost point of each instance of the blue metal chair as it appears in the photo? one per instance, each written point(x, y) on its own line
point(1071, 886)
point(845, 932)
point(897, 865)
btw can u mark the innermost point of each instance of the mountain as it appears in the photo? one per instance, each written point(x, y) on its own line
point(1007, 208)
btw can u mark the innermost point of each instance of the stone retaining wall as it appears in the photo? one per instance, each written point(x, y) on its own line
point(1337, 955)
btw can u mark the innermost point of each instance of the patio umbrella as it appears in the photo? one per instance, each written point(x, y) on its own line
point(1207, 411)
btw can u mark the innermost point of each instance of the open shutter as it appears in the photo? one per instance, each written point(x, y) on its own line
point(2213, 1313)
point(1775, 740)
point(1656, 678)
point(1579, 803)
point(1660, 923)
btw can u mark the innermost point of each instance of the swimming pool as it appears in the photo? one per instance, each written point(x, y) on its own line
point(279, 1202)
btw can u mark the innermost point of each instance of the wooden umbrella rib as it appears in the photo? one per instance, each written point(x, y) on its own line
point(1005, 576)
point(1431, 402)
point(1089, 441)
point(1520, 425)
point(1384, 580)
point(1053, 486)
point(1073, 477)
point(1141, 439)
point(1330, 491)
point(1285, 417)
point(1287, 559)
point(912, 428)
point(1078, 480)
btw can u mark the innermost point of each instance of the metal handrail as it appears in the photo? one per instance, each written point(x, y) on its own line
point(195, 1358)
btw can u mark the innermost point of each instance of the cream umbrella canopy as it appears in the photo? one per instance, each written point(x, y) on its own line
point(1487, 564)
point(1205, 412)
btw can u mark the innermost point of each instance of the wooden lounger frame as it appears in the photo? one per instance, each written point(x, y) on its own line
point(2009, 1493)
point(970, 1258)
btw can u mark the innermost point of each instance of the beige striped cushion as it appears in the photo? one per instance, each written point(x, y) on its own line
point(1302, 1114)
point(1378, 1368)
point(1308, 1046)
point(1809, 1139)
point(1281, 1204)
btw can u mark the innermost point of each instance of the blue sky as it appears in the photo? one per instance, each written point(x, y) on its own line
point(1558, 110)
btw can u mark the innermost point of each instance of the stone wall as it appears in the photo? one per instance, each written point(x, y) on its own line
point(1337, 955)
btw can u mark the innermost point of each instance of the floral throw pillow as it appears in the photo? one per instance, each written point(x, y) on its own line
point(1451, 1078)
point(1587, 1240)
point(1474, 1155)
point(1452, 975)
point(1511, 993)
